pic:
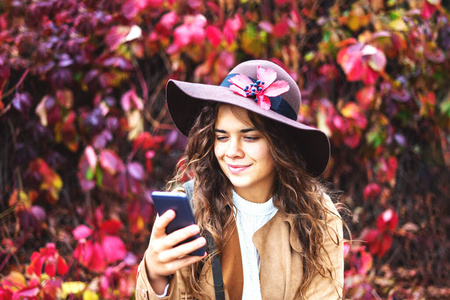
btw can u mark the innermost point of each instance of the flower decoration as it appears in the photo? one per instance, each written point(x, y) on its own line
point(262, 88)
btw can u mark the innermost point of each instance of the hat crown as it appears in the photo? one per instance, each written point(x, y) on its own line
point(249, 68)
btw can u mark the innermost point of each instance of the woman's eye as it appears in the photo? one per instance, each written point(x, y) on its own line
point(221, 138)
point(251, 138)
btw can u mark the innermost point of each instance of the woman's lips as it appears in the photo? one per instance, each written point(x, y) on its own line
point(235, 169)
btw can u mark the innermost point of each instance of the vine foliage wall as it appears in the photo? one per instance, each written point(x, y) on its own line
point(85, 136)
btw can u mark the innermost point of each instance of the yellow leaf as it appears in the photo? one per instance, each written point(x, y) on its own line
point(16, 281)
point(19, 198)
point(72, 287)
point(399, 25)
point(135, 124)
point(353, 22)
point(90, 295)
point(322, 122)
point(350, 110)
point(41, 111)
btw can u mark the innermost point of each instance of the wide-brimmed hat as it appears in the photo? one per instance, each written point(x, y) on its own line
point(262, 87)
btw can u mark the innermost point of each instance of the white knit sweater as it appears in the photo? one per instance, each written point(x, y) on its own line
point(250, 217)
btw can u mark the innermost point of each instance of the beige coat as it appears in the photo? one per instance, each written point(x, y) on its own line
point(281, 266)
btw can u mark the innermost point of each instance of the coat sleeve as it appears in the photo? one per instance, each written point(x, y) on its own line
point(323, 287)
point(145, 291)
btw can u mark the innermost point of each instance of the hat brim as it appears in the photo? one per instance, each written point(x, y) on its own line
point(185, 101)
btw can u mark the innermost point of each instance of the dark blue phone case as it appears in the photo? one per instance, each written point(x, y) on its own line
point(179, 203)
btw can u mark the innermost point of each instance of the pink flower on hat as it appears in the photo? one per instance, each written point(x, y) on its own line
point(264, 87)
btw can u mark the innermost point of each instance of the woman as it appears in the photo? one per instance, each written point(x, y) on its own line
point(276, 233)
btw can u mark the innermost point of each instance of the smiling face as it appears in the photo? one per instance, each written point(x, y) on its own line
point(243, 154)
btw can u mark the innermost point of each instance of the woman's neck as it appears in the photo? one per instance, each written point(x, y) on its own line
point(258, 196)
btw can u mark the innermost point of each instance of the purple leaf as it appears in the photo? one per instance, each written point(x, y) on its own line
point(136, 170)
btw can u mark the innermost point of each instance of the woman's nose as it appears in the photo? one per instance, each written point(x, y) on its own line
point(234, 149)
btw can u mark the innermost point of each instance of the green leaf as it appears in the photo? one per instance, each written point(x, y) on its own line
point(99, 177)
point(445, 108)
point(309, 56)
point(375, 138)
point(89, 174)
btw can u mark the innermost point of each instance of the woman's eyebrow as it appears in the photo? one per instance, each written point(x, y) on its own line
point(241, 131)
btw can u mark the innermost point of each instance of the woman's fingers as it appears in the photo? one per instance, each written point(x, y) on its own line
point(161, 222)
point(180, 263)
point(180, 235)
point(182, 250)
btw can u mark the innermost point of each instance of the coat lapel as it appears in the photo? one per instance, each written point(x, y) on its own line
point(231, 260)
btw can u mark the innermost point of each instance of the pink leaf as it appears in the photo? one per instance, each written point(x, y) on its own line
point(377, 61)
point(116, 36)
point(241, 81)
point(110, 162)
point(214, 35)
point(266, 26)
point(263, 102)
point(238, 90)
point(81, 232)
point(267, 76)
point(277, 88)
point(91, 157)
point(428, 10)
point(113, 248)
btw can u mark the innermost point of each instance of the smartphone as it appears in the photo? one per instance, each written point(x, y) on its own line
point(179, 203)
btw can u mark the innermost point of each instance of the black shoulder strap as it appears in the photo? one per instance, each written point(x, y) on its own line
point(215, 262)
point(216, 269)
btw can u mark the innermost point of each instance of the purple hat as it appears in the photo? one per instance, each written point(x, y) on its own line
point(262, 87)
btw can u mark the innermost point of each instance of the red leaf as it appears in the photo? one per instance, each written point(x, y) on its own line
point(90, 255)
point(97, 262)
point(144, 140)
point(352, 66)
point(371, 191)
point(50, 267)
point(365, 96)
point(280, 29)
point(388, 220)
point(111, 226)
point(61, 266)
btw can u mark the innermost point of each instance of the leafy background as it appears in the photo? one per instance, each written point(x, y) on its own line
point(85, 136)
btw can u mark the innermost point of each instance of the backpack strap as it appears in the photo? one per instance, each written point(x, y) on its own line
point(215, 261)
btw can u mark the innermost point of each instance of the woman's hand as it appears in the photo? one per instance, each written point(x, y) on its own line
point(163, 258)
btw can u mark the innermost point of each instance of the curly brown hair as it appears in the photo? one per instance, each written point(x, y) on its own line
point(296, 193)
